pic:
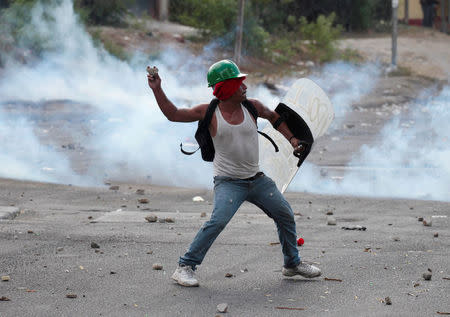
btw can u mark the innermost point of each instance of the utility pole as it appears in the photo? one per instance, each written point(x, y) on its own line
point(407, 12)
point(394, 32)
point(443, 20)
point(239, 31)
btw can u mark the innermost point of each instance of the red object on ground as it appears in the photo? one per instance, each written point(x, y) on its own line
point(300, 242)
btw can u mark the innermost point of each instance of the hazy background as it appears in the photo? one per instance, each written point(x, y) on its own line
point(134, 141)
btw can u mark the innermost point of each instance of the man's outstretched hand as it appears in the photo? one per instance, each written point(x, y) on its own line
point(154, 81)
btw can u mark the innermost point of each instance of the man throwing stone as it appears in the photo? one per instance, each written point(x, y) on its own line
point(237, 177)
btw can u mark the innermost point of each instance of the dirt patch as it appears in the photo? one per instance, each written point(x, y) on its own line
point(425, 52)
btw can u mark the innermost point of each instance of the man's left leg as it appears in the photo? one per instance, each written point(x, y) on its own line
point(266, 196)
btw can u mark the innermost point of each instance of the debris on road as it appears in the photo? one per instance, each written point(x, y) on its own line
point(197, 199)
point(169, 220)
point(388, 301)
point(4, 299)
point(290, 308)
point(331, 221)
point(396, 239)
point(140, 191)
point(5, 278)
point(94, 245)
point(435, 235)
point(357, 227)
point(332, 279)
point(420, 219)
point(427, 276)
point(427, 223)
point(442, 313)
point(203, 214)
point(222, 308)
point(71, 296)
point(151, 218)
point(143, 201)
point(157, 266)
point(228, 275)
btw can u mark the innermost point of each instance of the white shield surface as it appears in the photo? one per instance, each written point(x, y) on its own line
point(308, 100)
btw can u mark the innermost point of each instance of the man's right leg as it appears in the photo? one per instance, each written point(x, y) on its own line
point(228, 197)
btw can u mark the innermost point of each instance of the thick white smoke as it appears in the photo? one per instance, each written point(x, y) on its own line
point(410, 159)
point(132, 140)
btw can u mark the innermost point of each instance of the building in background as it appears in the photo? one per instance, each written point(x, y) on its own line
point(412, 13)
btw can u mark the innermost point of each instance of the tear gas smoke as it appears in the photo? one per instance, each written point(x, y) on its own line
point(411, 158)
point(132, 140)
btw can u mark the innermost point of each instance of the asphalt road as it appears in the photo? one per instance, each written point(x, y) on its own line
point(46, 251)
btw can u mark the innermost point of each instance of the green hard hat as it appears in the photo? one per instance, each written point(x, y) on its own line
point(223, 70)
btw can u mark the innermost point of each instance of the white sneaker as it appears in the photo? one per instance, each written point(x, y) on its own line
point(303, 269)
point(184, 275)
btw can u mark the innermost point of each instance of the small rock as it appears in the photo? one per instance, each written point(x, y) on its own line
point(30, 231)
point(427, 276)
point(140, 191)
point(388, 301)
point(71, 295)
point(436, 235)
point(396, 238)
point(5, 278)
point(157, 266)
point(90, 217)
point(329, 213)
point(94, 245)
point(427, 223)
point(143, 201)
point(228, 275)
point(222, 308)
point(420, 219)
point(150, 252)
point(331, 221)
point(97, 251)
point(169, 219)
point(4, 299)
point(151, 218)
point(203, 214)
point(114, 187)
point(59, 249)
point(112, 272)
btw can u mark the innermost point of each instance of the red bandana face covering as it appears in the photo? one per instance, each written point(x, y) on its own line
point(225, 89)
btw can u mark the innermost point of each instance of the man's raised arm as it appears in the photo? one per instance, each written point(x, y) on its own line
point(169, 109)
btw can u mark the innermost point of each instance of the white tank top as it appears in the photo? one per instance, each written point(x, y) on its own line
point(236, 147)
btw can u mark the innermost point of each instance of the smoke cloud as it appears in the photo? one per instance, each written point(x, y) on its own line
point(113, 116)
point(410, 159)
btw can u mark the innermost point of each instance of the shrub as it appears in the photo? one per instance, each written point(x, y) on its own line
point(213, 17)
point(321, 36)
point(106, 12)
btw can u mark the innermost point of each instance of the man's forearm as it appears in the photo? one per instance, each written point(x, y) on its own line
point(166, 106)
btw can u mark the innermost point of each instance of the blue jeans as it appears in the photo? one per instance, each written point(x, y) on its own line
point(229, 194)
